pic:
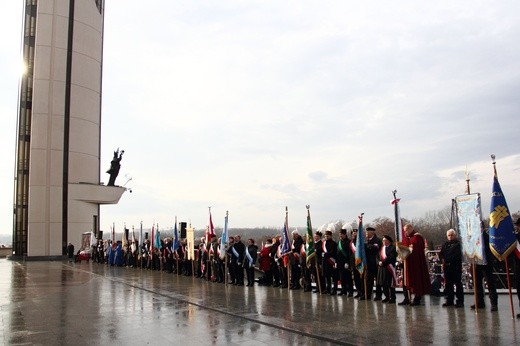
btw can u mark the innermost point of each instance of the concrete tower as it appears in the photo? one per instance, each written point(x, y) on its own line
point(57, 175)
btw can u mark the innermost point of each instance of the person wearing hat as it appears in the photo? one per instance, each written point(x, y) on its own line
point(296, 248)
point(487, 271)
point(517, 261)
point(318, 270)
point(372, 247)
point(451, 257)
point(386, 274)
point(329, 254)
point(343, 264)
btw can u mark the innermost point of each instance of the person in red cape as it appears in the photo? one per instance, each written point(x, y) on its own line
point(265, 263)
point(417, 274)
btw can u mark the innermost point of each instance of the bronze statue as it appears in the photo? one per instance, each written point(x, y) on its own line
point(114, 167)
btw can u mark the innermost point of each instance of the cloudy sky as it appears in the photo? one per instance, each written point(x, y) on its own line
point(251, 106)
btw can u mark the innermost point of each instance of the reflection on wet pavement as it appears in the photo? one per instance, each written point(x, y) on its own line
point(60, 303)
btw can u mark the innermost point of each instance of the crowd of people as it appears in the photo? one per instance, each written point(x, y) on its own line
point(330, 268)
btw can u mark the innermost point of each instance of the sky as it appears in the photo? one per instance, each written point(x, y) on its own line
point(252, 106)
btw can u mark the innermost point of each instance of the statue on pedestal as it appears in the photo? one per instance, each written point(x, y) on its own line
point(115, 166)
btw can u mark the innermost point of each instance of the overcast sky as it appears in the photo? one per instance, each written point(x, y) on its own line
point(251, 106)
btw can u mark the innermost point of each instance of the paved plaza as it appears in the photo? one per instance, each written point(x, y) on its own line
point(61, 303)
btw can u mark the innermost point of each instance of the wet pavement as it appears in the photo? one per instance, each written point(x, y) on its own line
point(59, 303)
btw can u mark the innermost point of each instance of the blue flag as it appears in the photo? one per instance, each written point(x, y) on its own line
point(286, 245)
point(157, 241)
point(361, 258)
point(225, 238)
point(175, 237)
point(502, 239)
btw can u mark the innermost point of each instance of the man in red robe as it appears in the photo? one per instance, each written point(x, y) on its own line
point(417, 274)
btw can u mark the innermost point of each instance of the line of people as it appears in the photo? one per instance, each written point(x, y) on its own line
point(328, 264)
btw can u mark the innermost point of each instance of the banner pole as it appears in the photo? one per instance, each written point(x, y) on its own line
point(475, 288)
point(509, 290)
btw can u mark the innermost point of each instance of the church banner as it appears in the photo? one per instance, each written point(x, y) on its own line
point(190, 242)
point(469, 222)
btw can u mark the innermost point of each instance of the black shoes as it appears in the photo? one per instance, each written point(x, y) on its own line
point(404, 302)
point(480, 306)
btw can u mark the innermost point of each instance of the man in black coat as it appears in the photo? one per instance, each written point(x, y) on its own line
point(329, 255)
point(343, 264)
point(486, 270)
point(451, 257)
point(372, 246)
point(273, 258)
point(239, 250)
point(296, 247)
point(317, 268)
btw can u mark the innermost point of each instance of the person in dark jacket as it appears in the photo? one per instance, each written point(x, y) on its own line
point(318, 250)
point(329, 254)
point(251, 254)
point(451, 257)
point(386, 274)
point(486, 270)
point(343, 264)
point(274, 262)
point(70, 252)
point(294, 261)
point(372, 246)
point(239, 251)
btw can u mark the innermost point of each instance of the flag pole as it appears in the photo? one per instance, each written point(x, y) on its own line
point(225, 274)
point(509, 289)
point(475, 288)
point(474, 264)
point(316, 265)
point(289, 253)
point(507, 265)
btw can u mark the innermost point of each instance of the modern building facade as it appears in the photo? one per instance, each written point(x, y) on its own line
point(57, 175)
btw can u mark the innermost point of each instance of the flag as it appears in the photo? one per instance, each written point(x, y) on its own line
point(402, 250)
point(286, 246)
point(141, 235)
point(157, 241)
point(466, 211)
point(113, 232)
point(152, 240)
point(225, 238)
point(502, 238)
point(134, 245)
point(309, 249)
point(175, 236)
point(124, 239)
point(399, 232)
point(211, 228)
point(93, 238)
point(360, 257)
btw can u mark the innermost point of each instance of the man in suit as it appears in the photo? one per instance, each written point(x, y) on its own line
point(372, 246)
point(343, 264)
